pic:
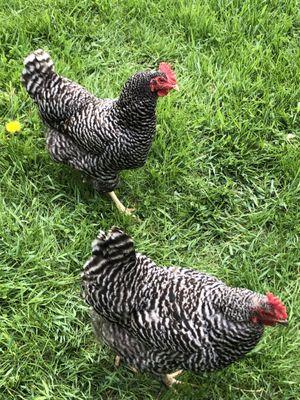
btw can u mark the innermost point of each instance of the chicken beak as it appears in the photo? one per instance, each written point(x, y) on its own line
point(176, 87)
point(282, 322)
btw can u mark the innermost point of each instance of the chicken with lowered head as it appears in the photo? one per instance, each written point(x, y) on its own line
point(163, 320)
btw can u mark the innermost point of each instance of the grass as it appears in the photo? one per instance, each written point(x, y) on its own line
point(220, 191)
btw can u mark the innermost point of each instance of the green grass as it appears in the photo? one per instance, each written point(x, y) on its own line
point(220, 191)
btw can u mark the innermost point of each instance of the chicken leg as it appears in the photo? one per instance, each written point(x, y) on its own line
point(117, 362)
point(119, 205)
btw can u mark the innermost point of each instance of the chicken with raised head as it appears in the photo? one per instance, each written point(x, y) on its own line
point(100, 137)
point(165, 320)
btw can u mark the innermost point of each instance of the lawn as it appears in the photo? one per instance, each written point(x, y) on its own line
point(220, 191)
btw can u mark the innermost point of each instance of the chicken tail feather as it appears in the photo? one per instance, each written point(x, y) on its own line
point(37, 66)
point(109, 252)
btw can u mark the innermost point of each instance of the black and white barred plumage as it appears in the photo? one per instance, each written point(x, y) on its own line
point(163, 319)
point(97, 136)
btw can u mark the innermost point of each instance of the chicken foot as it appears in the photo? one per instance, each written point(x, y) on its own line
point(118, 361)
point(169, 379)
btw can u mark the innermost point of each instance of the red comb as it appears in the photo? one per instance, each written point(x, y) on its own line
point(167, 70)
point(278, 306)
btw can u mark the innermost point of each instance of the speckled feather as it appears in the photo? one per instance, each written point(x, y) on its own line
point(161, 319)
point(97, 136)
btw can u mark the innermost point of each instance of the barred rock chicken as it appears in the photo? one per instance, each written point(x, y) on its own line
point(100, 137)
point(164, 319)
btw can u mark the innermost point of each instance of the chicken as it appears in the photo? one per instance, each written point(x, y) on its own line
point(167, 319)
point(100, 137)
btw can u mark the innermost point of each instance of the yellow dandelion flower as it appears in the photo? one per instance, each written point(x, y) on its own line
point(13, 126)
